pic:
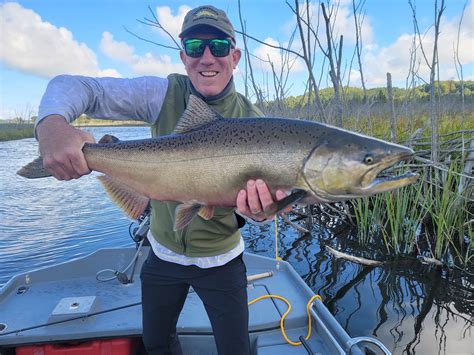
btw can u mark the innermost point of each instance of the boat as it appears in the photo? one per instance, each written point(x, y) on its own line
point(91, 305)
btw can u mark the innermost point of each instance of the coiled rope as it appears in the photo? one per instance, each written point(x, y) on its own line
point(282, 319)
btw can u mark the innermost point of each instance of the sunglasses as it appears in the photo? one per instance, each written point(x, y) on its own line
point(195, 48)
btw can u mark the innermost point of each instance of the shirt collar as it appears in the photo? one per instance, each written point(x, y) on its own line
point(230, 88)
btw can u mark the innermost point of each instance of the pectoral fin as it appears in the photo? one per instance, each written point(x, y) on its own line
point(129, 200)
point(280, 205)
point(206, 212)
point(184, 214)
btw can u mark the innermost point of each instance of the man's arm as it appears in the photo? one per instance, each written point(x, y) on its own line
point(107, 98)
point(67, 97)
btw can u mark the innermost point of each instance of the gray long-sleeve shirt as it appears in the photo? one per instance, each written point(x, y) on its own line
point(105, 98)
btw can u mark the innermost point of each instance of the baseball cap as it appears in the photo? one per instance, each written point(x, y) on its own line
point(207, 15)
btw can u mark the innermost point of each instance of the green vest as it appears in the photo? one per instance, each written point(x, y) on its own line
point(200, 237)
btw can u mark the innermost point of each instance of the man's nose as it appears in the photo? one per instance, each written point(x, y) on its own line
point(207, 57)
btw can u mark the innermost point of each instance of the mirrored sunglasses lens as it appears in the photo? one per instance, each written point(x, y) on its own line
point(194, 47)
point(219, 47)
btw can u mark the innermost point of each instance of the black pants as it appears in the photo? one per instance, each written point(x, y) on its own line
point(222, 289)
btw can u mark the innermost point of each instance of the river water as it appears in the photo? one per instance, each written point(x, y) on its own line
point(411, 308)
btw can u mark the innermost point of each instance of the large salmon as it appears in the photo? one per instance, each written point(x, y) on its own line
point(208, 159)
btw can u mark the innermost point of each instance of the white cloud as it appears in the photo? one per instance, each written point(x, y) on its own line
point(147, 64)
point(31, 45)
point(162, 65)
point(342, 21)
point(109, 72)
point(171, 23)
point(395, 58)
point(277, 57)
point(120, 51)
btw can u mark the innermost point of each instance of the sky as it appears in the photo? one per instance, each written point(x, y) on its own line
point(40, 39)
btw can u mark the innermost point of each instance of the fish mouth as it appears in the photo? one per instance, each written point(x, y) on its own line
point(380, 178)
point(386, 183)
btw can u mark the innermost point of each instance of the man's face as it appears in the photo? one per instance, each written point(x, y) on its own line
point(210, 74)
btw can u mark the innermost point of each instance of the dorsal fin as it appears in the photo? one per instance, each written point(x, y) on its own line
point(197, 114)
point(108, 138)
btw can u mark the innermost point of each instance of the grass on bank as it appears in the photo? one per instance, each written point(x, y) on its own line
point(424, 218)
point(11, 131)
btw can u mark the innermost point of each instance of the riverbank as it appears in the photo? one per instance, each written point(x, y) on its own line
point(12, 131)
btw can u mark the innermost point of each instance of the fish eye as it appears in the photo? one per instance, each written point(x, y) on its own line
point(368, 159)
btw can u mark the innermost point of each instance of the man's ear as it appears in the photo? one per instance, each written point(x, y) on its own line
point(182, 55)
point(236, 54)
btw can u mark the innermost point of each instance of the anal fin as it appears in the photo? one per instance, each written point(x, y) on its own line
point(129, 200)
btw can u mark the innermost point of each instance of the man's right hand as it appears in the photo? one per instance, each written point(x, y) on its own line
point(60, 146)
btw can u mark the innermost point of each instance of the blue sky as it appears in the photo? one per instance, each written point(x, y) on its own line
point(44, 38)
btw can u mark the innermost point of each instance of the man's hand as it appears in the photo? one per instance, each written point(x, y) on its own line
point(60, 146)
point(251, 202)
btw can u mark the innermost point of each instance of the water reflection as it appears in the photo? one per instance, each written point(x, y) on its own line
point(411, 307)
point(46, 221)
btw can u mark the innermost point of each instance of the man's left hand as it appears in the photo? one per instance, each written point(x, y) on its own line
point(251, 202)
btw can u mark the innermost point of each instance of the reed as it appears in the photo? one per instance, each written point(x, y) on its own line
point(11, 131)
point(450, 216)
point(393, 217)
point(403, 211)
point(368, 213)
point(424, 218)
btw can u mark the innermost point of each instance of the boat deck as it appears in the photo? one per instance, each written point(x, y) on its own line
point(66, 303)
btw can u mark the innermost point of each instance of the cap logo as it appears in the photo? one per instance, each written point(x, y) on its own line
point(205, 13)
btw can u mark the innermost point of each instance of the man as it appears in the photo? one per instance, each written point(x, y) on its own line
point(206, 255)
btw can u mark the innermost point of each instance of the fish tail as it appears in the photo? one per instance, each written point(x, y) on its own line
point(34, 170)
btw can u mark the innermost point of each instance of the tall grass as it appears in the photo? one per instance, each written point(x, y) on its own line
point(394, 217)
point(432, 215)
point(404, 210)
point(450, 216)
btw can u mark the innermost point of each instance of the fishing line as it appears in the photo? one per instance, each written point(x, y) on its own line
point(71, 319)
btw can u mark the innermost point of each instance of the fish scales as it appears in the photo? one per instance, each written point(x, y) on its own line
point(220, 157)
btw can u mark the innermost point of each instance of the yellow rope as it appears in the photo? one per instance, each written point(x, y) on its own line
point(282, 319)
point(277, 257)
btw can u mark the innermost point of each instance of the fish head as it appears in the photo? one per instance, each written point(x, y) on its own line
point(351, 165)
